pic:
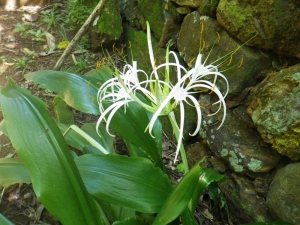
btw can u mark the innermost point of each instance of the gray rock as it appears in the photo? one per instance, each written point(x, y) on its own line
point(169, 33)
point(162, 18)
point(245, 206)
point(108, 28)
point(208, 7)
point(134, 15)
point(196, 152)
point(240, 68)
point(239, 145)
point(274, 106)
point(189, 3)
point(283, 198)
point(276, 22)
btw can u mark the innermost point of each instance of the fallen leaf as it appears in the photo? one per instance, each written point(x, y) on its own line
point(50, 41)
point(207, 214)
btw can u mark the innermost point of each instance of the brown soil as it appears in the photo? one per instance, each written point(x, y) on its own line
point(18, 202)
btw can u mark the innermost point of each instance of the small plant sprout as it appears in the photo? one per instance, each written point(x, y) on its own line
point(38, 35)
point(23, 64)
point(163, 95)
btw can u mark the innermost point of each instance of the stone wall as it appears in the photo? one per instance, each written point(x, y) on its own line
point(256, 45)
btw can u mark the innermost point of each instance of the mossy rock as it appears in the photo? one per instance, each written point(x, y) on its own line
point(274, 109)
point(109, 25)
point(108, 28)
point(275, 22)
point(153, 13)
point(208, 7)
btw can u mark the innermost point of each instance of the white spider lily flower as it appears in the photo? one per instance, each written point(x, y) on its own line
point(184, 93)
point(163, 96)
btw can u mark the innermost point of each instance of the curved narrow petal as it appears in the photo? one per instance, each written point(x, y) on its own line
point(158, 112)
point(178, 65)
point(199, 114)
point(181, 126)
point(151, 55)
point(111, 109)
point(115, 109)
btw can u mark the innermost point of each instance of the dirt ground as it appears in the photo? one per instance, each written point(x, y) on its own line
point(19, 54)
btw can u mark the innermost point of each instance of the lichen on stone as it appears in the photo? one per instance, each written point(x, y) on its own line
point(275, 110)
point(224, 152)
point(254, 165)
point(234, 162)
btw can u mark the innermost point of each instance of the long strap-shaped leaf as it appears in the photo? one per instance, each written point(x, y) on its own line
point(12, 171)
point(4, 221)
point(131, 182)
point(42, 148)
point(80, 92)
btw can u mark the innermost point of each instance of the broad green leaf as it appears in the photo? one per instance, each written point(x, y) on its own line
point(131, 126)
point(75, 140)
point(179, 197)
point(4, 221)
point(80, 92)
point(188, 218)
point(122, 213)
point(104, 139)
point(40, 145)
point(131, 221)
point(133, 183)
point(100, 75)
point(13, 171)
point(207, 176)
point(77, 91)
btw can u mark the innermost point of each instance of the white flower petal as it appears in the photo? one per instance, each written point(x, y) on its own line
point(181, 126)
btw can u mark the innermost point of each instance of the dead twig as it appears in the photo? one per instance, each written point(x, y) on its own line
point(79, 34)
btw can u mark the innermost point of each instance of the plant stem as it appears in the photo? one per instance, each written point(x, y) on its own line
point(182, 151)
point(87, 137)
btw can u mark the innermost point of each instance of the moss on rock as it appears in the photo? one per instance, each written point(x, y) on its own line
point(274, 108)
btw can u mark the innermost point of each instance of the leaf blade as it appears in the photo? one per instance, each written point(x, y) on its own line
point(47, 157)
point(133, 183)
point(13, 171)
point(77, 91)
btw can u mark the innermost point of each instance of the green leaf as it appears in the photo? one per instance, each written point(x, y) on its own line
point(100, 75)
point(133, 183)
point(131, 221)
point(75, 140)
point(77, 91)
point(179, 197)
point(104, 139)
point(40, 145)
point(207, 176)
point(13, 171)
point(80, 92)
point(134, 122)
point(188, 218)
point(4, 221)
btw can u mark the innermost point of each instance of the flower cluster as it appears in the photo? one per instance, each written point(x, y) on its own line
point(163, 96)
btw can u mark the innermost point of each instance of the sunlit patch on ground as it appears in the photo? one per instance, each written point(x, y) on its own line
point(11, 5)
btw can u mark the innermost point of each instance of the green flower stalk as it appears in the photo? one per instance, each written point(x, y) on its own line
point(163, 96)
